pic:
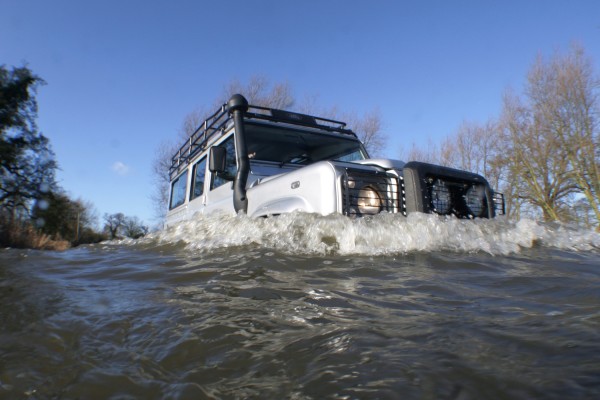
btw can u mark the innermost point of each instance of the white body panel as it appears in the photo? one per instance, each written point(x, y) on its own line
point(283, 162)
point(311, 189)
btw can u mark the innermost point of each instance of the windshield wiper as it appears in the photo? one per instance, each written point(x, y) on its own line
point(298, 159)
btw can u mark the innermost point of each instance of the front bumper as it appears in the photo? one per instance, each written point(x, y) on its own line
point(419, 187)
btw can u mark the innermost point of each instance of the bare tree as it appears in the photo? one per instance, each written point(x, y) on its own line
point(160, 172)
point(134, 228)
point(538, 165)
point(369, 129)
point(553, 138)
point(258, 91)
point(162, 160)
point(477, 148)
point(191, 122)
point(544, 150)
point(565, 92)
point(114, 223)
point(431, 153)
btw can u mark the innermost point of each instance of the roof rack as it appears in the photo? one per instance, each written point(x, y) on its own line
point(198, 140)
point(275, 115)
point(217, 123)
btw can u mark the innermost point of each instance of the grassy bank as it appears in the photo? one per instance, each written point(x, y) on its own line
point(25, 236)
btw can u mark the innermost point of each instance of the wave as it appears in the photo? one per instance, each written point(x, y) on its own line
point(383, 234)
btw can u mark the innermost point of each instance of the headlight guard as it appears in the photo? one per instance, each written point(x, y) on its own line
point(442, 190)
point(369, 192)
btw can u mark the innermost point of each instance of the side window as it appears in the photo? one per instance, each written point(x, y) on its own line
point(178, 191)
point(230, 165)
point(198, 181)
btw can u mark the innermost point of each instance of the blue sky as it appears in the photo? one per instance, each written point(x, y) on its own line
point(122, 75)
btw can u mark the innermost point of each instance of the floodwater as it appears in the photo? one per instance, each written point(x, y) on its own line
point(307, 307)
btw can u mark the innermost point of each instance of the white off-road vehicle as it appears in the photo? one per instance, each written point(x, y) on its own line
point(265, 162)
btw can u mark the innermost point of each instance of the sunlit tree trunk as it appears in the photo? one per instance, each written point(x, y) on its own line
point(564, 93)
point(550, 135)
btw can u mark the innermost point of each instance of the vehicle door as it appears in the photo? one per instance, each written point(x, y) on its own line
point(219, 197)
point(198, 187)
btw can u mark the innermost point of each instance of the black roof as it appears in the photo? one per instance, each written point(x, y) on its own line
point(220, 120)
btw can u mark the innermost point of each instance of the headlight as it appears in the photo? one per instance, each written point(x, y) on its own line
point(440, 197)
point(474, 198)
point(369, 201)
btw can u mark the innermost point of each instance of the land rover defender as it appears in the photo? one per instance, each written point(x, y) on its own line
point(265, 162)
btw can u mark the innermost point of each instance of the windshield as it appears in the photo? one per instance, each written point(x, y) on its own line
point(285, 145)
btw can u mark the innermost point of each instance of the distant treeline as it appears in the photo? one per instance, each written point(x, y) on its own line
point(542, 151)
point(35, 212)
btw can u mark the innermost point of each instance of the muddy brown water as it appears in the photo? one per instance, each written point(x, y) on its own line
point(230, 308)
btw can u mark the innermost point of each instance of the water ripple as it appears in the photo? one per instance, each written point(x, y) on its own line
point(160, 318)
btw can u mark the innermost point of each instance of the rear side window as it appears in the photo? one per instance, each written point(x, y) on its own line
point(198, 183)
point(178, 191)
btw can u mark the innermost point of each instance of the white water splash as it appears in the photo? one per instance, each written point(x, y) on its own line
point(301, 233)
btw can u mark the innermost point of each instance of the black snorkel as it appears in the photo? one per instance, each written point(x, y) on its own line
point(236, 107)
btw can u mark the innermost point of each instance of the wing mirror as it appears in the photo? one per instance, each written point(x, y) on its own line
point(217, 158)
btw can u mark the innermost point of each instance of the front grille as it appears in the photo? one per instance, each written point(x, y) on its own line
point(402, 197)
point(499, 206)
point(368, 193)
point(461, 198)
